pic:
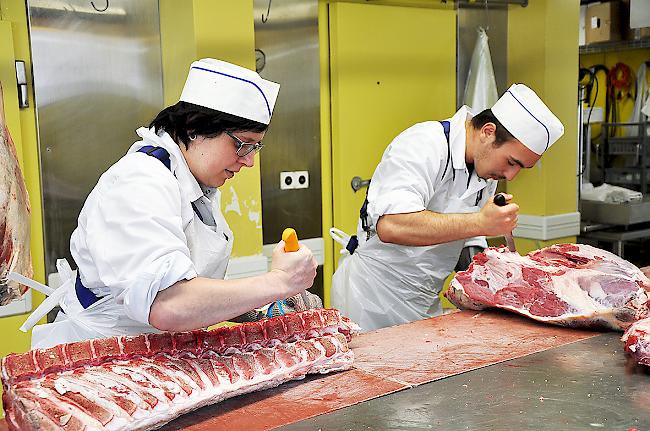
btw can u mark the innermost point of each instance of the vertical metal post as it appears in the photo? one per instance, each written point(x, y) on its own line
point(643, 141)
point(581, 161)
point(618, 248)
point(602, 150)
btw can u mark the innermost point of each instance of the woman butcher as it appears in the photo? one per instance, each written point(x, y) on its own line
point(152, 245)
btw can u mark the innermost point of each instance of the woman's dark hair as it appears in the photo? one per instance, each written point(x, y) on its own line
point(184, 119)
point(501, 133)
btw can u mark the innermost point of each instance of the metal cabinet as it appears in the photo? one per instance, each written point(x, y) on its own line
point(626, 160)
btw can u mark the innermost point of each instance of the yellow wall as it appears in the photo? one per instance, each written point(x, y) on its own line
point(193, 29)
point(380, 62)
point(543, 53)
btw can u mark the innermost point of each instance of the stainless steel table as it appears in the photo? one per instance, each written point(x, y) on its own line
point(586, 385)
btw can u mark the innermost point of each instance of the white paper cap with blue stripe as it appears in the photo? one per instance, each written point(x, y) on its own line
point(527, 118)
point(232, 89)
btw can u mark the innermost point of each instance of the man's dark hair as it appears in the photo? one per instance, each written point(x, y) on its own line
point(184, 119)
point(501, 133)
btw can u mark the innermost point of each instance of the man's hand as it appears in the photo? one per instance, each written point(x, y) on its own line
point(296, 270)
point(496, 220)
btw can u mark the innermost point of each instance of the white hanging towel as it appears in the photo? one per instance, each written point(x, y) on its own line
point(481, 87)
point(641, 103)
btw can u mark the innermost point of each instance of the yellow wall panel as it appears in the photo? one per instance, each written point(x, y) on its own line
point(391, 67)
point(542, 53)
point(178, 49)
point(194, 29)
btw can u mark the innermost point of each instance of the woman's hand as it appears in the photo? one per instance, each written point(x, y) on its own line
point(295, 270)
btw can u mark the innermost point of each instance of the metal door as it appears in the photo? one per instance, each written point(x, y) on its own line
point(97, 78)
point(286, 43)
point(391, 67)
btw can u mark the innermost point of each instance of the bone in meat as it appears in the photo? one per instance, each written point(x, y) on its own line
point(142, 382)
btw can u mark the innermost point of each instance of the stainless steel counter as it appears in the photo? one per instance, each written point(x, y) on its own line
point(616, 214)
point(589, 384)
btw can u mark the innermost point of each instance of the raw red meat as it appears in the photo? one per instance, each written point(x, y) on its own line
point(144, 381)
point(14, 217)
point(637, 341)
point(564, 284)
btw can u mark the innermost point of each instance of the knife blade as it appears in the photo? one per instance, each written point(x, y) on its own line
point(500, 200)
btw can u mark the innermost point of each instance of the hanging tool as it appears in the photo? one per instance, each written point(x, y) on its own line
point(500, 200)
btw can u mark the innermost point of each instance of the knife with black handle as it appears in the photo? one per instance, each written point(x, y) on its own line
point(500, 200)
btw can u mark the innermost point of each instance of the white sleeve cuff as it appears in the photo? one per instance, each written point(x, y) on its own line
point(394, 202)
point(478, 241)
point(137, 294)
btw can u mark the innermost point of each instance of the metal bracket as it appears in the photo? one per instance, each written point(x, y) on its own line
point(21, 80)
point(357, 183)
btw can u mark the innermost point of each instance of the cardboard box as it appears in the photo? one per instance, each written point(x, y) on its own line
point(603, 22)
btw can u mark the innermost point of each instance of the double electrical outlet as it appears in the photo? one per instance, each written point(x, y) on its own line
point(294, 180)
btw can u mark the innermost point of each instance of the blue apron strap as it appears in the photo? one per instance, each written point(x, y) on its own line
point(446, 127)
point(159, 153)
point(352, 244)
point(162, 155)
point(85, 296)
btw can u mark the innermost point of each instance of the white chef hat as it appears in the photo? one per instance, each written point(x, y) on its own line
point(229, 88)
point(527, 118)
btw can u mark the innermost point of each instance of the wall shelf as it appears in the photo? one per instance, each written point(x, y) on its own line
point(595, 48)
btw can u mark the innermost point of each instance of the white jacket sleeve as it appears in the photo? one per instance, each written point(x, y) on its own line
point(134, 234)
point(404, 180)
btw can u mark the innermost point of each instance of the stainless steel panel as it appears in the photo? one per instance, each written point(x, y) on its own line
point(616, 214)
point(287, 44)
point(97, 77)
point(586, 385)
point(470, 17)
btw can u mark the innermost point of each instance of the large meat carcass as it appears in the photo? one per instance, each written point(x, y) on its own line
point(565, 284)
point(14, 217)
point(142, 382)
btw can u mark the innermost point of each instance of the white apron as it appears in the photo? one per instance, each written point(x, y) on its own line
point(385, 284)
point(210, 249)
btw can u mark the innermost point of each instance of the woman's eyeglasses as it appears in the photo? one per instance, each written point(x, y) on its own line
point(245, 148)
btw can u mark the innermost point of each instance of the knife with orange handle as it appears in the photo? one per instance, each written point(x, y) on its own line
point(290, 238)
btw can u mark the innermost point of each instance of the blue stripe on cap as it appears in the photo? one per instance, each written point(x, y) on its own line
point(268, 108)
point(548, 134)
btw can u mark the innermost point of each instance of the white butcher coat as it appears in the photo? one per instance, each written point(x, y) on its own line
point(384, 284)
point(137, 235)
